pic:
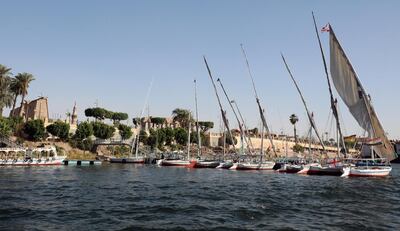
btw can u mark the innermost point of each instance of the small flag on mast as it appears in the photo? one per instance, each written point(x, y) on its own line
point(326, 28)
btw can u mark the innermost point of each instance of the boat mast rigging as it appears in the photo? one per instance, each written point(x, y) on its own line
point(223, 113)
point(140, 119)
point(333, 101)
point(236, 116)
point(309, 115)
point(261, 111)
point(197, 122)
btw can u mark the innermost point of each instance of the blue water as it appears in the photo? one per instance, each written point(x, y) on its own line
point(135, 197)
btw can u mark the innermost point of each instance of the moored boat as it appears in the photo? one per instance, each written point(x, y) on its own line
point(267, 165)
point(206, 164)
point(176, 163)
point(293, 168)
point(44, 156)
point(225, 164)
point(373, 171)
point(367, 168)
point(331, 170)
point(128, 160)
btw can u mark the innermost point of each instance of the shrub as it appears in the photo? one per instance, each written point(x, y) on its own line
point(59, 129)
point(34, 130)
point(125, 131)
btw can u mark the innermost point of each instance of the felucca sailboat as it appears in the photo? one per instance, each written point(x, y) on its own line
point(225, 164)
point(201, 163)
point(180, 162)
point(352, 92)
point(260, 164)
point(303, 168)
point(137, 159)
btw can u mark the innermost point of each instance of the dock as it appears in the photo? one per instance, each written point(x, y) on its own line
point(82, 162)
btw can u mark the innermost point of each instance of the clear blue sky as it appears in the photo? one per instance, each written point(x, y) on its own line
point(110, 50)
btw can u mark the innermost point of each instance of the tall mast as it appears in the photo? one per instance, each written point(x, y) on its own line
point(310, 117)
point(188, 143)
point(262, 143)
point(236, 116)
point(197, 121)
point(140, 118)
point(261, 111)
point(223, 113)
point(333, 101)
point(247, 136)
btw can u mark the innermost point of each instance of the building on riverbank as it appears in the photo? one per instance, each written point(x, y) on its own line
point(34, 109)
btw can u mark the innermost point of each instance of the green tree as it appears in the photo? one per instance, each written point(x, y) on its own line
point(24, 80)
point(83, 131)
point(98, 113)
point(85, 145)
point(59, 129)
point(182, 116)
point(108, 114)
point(206, 125)
point(5, 128)
point(228, 140)
point(6, 96)
point(194, 138)
point(157, 120)
point(143, 137)
point(89, 112)
point(136, 121)
point(298, 148)
point(118, 116)
point(293, 120)
point(181, 136)
point(152, 140)
point(16, 124)
point(125, 131)
point(169, 135)
point(102, 130)
point(34, 130)
point(161, 137)
point(16, 90)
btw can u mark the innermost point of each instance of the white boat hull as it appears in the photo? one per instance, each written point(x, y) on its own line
point(306, 167)
point(377, 171)
point(176, 163)
point(250, 166)
point(130, 160)
point(33, 162)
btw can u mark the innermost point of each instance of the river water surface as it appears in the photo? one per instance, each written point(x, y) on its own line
point(147, 197)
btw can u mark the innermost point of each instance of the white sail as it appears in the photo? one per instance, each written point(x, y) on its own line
point(354, 96)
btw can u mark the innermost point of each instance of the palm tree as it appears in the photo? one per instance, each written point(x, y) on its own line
point(24, 80)
point(182, 116)
point(68, 117)
point(5, 94)
point(16, 90)
point(293, 119)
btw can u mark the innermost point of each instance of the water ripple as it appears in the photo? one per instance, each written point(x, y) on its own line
point(133, 197)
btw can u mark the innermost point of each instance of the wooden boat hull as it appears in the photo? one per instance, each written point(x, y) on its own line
point(139, 160)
